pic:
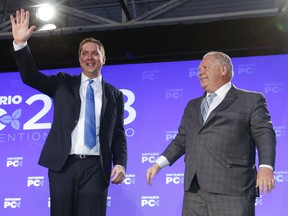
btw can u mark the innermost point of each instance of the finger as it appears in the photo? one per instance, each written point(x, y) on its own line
point(260, 186)
point(149, 180)
point(268, 189)
point(257, 184)
point(114, 179)
point(112, 173)
point(117, 175)
point(271, 185)
point(263, 186)
point(12, 20)
point(27, 15)
point(32, 28)
point(268, 186)
point(22, 19)
point(17, 17)
point(149, 177)
point(118, 178)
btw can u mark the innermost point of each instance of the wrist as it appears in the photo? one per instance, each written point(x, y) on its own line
point(19, 42)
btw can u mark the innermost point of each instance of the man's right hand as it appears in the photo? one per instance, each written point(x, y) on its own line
point(20, 27)
point(151, 172)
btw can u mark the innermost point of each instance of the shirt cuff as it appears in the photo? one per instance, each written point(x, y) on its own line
point(266, 166)
point(19, 46)
point(162, 161)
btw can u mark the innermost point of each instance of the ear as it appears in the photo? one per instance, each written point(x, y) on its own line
point(224, 70)
point(79, 60)
point(104, 60)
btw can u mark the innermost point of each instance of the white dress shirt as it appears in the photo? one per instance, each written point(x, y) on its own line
point(77, 137)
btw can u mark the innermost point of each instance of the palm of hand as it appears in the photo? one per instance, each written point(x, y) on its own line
point(20, 29)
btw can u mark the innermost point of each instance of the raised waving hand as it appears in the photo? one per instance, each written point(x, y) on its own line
point(20, 26)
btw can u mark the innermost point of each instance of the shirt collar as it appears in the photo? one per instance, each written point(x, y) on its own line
point(222, 91)
point(84, 78)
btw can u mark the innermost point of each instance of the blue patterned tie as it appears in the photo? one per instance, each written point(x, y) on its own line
point(206, 104)
point(90, 122)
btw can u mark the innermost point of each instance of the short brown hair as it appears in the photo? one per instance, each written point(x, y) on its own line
point(93, 40)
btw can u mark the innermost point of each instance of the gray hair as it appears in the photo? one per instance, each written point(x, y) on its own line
point(223, 59)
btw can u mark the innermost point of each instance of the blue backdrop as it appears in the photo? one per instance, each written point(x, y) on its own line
point(155, 97)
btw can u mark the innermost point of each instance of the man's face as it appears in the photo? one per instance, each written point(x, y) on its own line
point(211, 75)
point(91, 59)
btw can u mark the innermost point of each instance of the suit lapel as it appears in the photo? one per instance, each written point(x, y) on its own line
point(104, 99)
point(199, 116)
point(76, 89)
point(231, 95)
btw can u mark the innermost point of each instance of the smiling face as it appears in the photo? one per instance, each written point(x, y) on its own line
point(212, 74)
point(91, 59)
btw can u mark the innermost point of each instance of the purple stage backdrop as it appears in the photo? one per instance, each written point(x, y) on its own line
point(155, 97)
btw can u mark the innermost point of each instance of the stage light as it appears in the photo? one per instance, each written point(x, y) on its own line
point(47, 27)
point(45, 14)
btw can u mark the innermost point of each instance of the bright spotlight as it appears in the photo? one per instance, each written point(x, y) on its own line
point(45, 12)
point(48, 27)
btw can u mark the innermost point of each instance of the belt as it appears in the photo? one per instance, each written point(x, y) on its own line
point(82, 156)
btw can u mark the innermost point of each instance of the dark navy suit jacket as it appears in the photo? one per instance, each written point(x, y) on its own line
point(64, 90)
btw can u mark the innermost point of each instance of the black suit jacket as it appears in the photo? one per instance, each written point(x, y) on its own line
point(222, 151)
point(64, 90)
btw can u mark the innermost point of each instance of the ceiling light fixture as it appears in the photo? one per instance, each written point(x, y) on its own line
point(46, 14)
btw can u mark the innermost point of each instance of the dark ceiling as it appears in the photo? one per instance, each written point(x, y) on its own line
point(146, 31)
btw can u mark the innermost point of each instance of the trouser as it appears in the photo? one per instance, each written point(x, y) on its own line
point(79, 188)
point(201, 203)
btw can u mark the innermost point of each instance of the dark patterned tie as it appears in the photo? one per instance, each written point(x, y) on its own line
point(207, 101)
point(90, 122)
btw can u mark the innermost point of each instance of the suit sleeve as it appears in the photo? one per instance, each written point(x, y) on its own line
point(177, 147)
point(119, 146)
point(263, 132)
point(30, 75)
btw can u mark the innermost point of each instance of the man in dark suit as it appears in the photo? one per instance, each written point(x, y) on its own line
point(220, 146)
point(79, 175)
